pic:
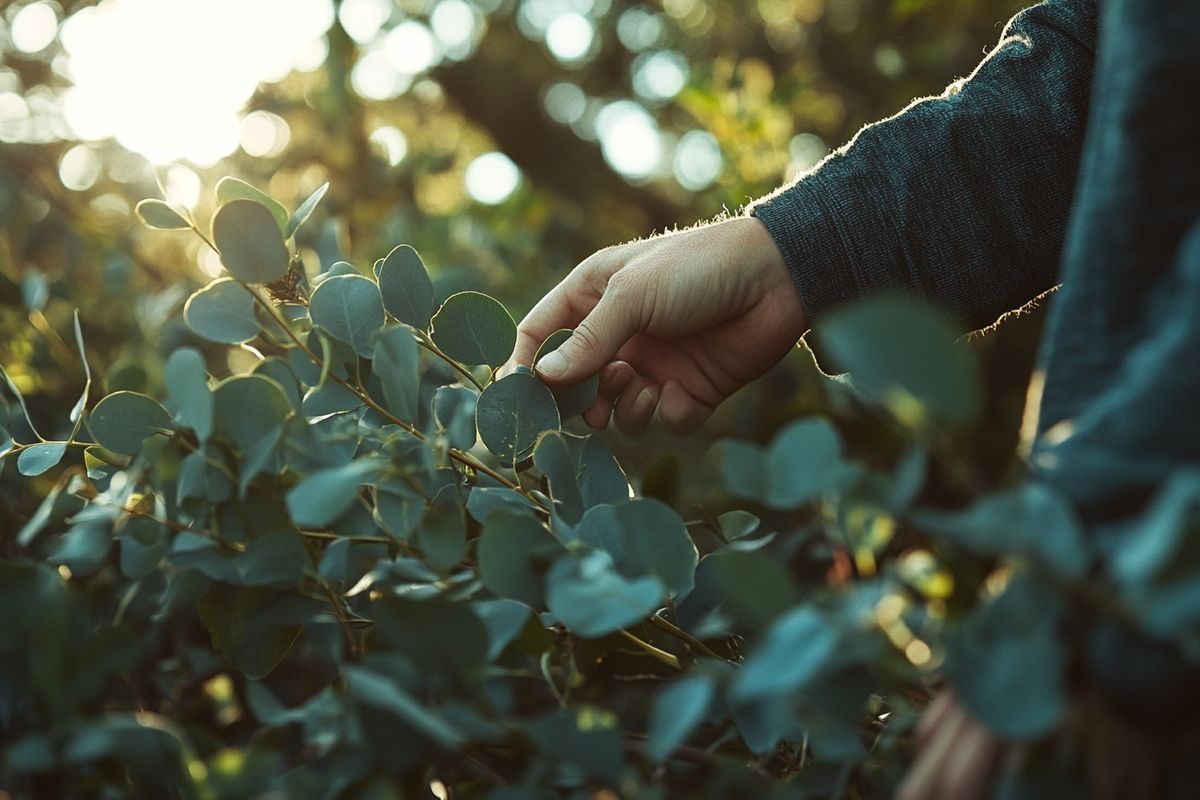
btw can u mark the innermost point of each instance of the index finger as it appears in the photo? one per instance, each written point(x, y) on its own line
point(564, 306)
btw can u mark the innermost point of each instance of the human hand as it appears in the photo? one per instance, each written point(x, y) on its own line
point(956, 755)
point(676, 322)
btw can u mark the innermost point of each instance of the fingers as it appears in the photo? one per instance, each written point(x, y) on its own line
point(924, 779)
point(933, 718)
point(613, 380)
point(679, 410)
point(565, 305)
point(593, 343)
point(956, 759)
point(635, 408)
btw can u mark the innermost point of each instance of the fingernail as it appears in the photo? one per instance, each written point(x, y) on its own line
point(644, 400)
point(552, 365)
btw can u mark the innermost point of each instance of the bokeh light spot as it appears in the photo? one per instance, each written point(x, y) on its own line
point(264, 135)
point(492, 178)
point(565, 102)
point(411, 48)
point(569, 36)
point(390, 143)
point(629, 139)
point(79, 168)
point(698, 160)
point(34, 27)
point(363, 19)
point(660, 75)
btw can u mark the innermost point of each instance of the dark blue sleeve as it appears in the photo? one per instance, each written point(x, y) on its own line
point(961, 198)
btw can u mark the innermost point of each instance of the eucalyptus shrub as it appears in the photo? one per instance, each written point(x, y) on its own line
point(368, 567)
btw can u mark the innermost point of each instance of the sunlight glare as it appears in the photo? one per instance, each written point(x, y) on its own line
point(698, 160)
point(390, 143)
point(492, 178)
point(363, 19)
point(264, 135)
point(569, 36)
point(183, 186)
point(79, 168)
point(34, 27)
point(454, 23)
point(411, 48)
point(193, 65)
point(629, 139)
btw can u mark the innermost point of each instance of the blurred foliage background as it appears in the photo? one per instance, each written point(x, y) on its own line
point(505, 139)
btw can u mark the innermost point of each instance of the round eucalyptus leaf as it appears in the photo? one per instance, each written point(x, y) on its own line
point(793, 652)
point(247, 407)
point(803, 460)
point(123, 420)
point(904, 355)
point(593, 600)
point(510, 414)
point(454, 411)
point(513, 553)
point(222, 312)
point(643, 537)
point(38, 458)
point(157, 214)
point(576, 397)
point(396, 362)
point(233, 189)
point(406, 288)
point(324, 496)
point(187, 387)
point(473, 328)
point(677, 710)
point(250, 242)
point(349, 309)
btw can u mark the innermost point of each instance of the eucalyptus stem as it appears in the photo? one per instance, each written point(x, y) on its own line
point(360, 539)
point(661, 655)
point(425, 341)
point(679, 633)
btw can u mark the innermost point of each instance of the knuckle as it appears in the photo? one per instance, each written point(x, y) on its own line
point(585, 336)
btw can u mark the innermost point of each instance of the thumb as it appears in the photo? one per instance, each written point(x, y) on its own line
point(593, 343)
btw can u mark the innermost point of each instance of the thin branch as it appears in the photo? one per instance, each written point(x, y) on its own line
point(679, 633)
point(661, 655)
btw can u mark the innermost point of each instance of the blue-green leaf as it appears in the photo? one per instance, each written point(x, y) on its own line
point(38, 458)
point(513, 553)
point(903, 355)
point(803, 460)
point(157, 214)
point(474, 328)
point(324, 496)
point(677, 710)
point(792, 653)
point(396, 363)
point(246, 407)
point(512, 412)
point(305, 210)
point(577, 397)
point(643, 537)
point(406, 288)
point(250, 242)
point(348, 308)
point(593, 600)
point(123, 420)
point(222, 312)
point(188, 392)
point(454, 412)
point(233, 189)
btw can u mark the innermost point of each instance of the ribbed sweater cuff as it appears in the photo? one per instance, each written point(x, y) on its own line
point(808, 236)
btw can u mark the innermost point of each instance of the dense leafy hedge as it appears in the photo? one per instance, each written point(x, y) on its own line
point(368, 568)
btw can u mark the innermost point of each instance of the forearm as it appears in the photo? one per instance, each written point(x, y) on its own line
point(961, 198)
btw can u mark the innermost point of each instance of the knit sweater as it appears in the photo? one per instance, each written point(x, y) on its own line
point(1071, 155)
